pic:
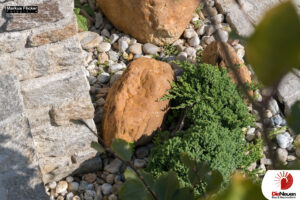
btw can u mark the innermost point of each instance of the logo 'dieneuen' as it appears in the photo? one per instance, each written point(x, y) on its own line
point(284, 180)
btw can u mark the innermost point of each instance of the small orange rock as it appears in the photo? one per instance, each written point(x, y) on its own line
point(130, 57)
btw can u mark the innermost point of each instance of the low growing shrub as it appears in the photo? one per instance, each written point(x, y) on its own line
point(215, 115)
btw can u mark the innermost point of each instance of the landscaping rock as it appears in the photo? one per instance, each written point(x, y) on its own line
point(282, 155)
point(114, 166)
point(157, 22)
point(213, 54)
point(61, 187)
point(73, 187)
point(136, 48)
point(104, 47)
point(150, 49)
point(106, 188)
point(289, 90)
point(284, 140)
point(103, 77)
point(116, 67)
point(132, 110)
point(89, 40)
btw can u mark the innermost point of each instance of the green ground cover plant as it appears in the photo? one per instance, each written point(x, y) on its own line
point(215, 115)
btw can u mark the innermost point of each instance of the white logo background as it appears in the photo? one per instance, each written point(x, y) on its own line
point(270, 185)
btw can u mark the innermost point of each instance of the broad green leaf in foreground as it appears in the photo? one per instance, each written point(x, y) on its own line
point(122, 149)
point(240, 188)
point(97, 147)
point(166, 186)
point(294, 118)
point(274, 47)
point(183, 193)
point(132, 189)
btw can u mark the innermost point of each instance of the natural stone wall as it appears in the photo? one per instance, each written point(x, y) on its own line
point(253, 8)
point(42, 88)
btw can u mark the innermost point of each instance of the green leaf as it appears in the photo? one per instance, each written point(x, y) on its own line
point(129, 174)
point(149, 179)
point(214, 182)
point(97, 147)
point(122, 149)
point(166, 186)
point(76, 11)
point(274, 47)
point(81, 20)
point(132, 189)
point(294, 118)
point(183, 193)
point(241, 188)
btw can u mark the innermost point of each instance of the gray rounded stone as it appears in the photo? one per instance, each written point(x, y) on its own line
point(106, 188)
point(282, 154)
point(194, 41)
point(136, 48)
point(103, 77)
point(116, 67)
point(189, 33)
point(113, 38)
point(114, 166)
point(284, 140)
point(114, 56)
point(123, 45)
point(182, 56)
point(150, 49)
point(104, 47)
point(73, 187)
point(139, 163)
point(110, 178)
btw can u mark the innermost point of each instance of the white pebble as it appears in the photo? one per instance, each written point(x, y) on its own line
point(69, 196)
point(69, 179)
point(61, 187)
point(103, 77)
point(282, 155)
point(104, 47)
point(52, 185)
point(284, 140)
point(116, 67)
point(113, 38)
point(194, 41)
point(189, 33)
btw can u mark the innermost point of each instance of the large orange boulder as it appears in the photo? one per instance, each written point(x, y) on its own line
point(153, 21)
point(133, 110)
